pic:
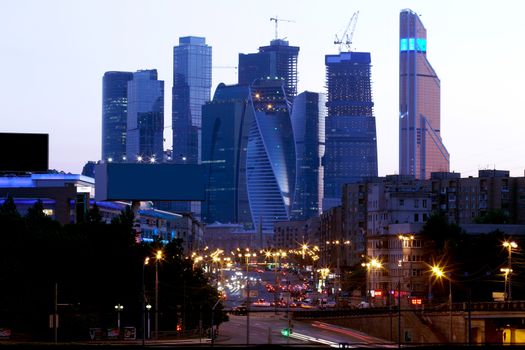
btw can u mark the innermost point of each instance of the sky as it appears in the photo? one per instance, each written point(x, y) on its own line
point(53, 54)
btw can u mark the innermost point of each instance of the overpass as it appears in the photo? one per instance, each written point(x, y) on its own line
point(493, 323)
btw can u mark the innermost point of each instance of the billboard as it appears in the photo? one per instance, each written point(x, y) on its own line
point(149, 182)
point(24, 152)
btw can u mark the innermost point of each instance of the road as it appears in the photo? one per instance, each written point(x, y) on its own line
point(265, 328)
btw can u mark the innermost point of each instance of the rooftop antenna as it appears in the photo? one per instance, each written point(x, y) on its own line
point(277, 20)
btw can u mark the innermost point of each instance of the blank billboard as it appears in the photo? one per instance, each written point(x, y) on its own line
point(149, 182)
point(24, 152)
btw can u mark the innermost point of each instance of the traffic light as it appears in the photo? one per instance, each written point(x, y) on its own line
point(179, 327)
point(286, 332)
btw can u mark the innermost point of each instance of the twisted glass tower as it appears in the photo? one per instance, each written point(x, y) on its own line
point(421, 150)
point(270, 159)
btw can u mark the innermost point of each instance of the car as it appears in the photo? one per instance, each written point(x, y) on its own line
point(239, 310)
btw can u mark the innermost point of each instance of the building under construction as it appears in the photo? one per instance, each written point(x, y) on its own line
point(351, 145)
point(279, 60)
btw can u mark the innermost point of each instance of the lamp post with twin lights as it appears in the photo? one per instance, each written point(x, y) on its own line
point(508, 272)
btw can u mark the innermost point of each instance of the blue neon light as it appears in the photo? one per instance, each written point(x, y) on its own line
point(413, 44)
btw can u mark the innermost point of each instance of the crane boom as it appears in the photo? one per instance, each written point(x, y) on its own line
point(277, 19)
point(348, 34)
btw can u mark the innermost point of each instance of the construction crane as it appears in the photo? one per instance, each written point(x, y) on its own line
point(346, 38)
point(277, 19)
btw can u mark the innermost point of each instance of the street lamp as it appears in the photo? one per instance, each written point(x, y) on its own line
point(373, 264)
point(146, 262)
point(158, 257)
point(439, 273)
point(119, 308)
point(148, 309)
point(509, 246)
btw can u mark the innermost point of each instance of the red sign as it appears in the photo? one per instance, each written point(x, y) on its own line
point(378, 293)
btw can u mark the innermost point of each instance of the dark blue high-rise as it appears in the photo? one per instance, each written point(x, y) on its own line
point(308, 124)
point(279, 60)
point(351, 145)
point(145, 127)
point(191, 90)
point(114, 115)
point(225, 125)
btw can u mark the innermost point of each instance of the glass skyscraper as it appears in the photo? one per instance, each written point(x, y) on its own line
point(279, 60)
point(351, 145)
point(226, 123)
point(308, 121)
point(270, 159)
point(421, 150)
point(114, 115)
point(145, 122)
point(191, 90)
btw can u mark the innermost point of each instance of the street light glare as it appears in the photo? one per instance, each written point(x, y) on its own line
point(158, 256)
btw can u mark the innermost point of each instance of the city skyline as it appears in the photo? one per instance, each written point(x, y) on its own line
point(472, 45)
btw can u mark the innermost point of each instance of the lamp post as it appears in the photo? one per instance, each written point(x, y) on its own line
point(506, 271)
point(438, 272)
point(146, 262)
point(158, 257)
point(148, 308)
point(509, 246)
point(119, 308)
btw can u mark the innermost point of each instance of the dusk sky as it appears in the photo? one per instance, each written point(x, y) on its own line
point(54, 53)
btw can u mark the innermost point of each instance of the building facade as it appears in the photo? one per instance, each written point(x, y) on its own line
point(351, 145)
point(114, 115)
point(270, 158)
point(145, 122)
point(421, 149)
point(308, 118)
point(225, 128)
point(191, 90)
point(278, 60)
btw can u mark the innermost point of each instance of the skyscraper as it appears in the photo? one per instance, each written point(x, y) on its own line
point(279, 60)
point(270, 159)
point(191, 89)
point(145, 126)
point(351, 146)
point(226, 123)
point(308, 120)
point(114, 115)
point(421, 150)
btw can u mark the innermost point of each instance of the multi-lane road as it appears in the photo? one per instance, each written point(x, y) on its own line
point(265, 328)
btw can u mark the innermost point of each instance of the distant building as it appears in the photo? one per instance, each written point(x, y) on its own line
point(145, 123)
point(293, 234)
point(270, 158)
point(308, 121)
point(232, 238)
point(114, 115)
point(279, 60)
point(225, 129)
point(351, 145)
point(421, 149)
point(191, 90)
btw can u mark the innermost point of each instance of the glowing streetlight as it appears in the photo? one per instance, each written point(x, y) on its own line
point(119, 308)
point(158, 257)
point(509, 246)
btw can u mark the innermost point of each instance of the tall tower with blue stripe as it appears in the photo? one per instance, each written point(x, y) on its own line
point(421, 149)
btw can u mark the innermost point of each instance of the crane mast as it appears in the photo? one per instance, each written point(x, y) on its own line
point(348, 34)
point(277, 20)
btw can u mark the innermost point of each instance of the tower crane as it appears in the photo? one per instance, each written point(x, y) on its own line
point(277, 20)
point(346, 38)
